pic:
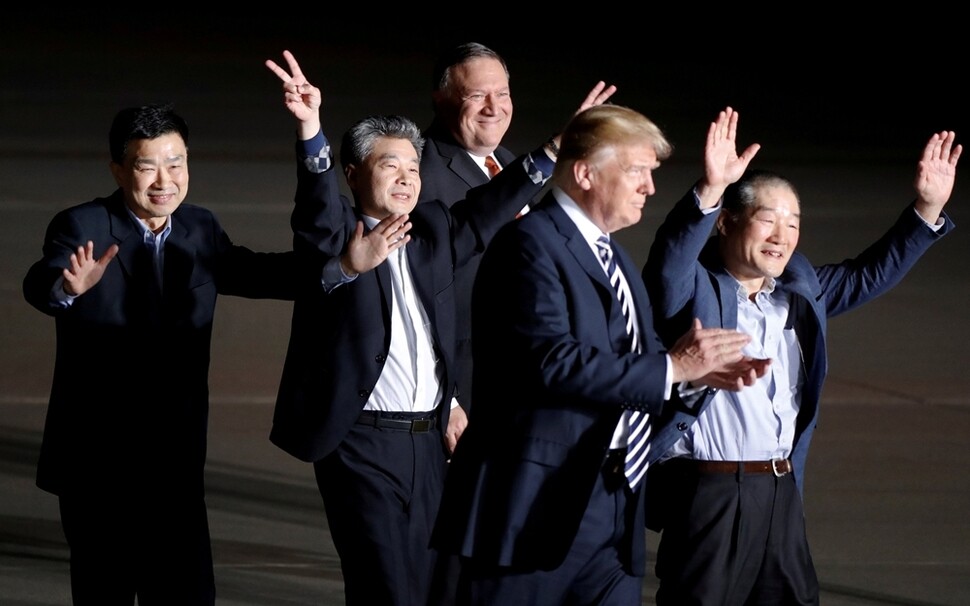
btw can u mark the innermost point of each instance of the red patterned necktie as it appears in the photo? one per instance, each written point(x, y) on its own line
point(492, 166)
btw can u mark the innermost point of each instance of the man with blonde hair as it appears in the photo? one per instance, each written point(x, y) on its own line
point(544, 497)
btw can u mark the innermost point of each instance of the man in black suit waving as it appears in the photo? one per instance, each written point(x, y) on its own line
point(367, 383)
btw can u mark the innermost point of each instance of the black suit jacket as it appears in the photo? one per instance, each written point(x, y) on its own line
point(129, 400)
point(551, 381)
point(447, 173)
point(339, 340)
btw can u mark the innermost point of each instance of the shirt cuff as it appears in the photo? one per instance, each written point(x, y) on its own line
point(315, 153)
point(706, 211)
point(333, 275)
point(59, 298)
point(538, 166)
point(934, 226)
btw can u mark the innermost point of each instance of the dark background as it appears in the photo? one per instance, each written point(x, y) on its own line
point(812, 86)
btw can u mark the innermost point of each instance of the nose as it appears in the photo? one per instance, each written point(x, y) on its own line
point(646, 187)
point(488, 105)
point(779, 234)
point(162, 177)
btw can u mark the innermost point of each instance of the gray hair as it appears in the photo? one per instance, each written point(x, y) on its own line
point(740, 196)
point(359, 140)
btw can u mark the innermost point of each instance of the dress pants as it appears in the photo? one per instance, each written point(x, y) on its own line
point(381, 489)
point(733, 539)
point(592, 573)
point(138, 543)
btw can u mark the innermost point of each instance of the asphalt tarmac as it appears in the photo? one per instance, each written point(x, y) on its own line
point(887, 493)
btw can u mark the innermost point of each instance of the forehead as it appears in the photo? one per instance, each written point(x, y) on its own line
point(479, 72)
point(393, 147)
point(776, 198)
point(168, 145)
point(637, 154)
point(628, 155)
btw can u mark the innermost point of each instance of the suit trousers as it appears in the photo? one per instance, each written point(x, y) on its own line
point(140, 543)
point(733, 539)
point(381, 489)
point(592, 573)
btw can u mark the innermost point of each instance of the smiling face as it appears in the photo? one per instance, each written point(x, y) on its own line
point(154, 177)
point(760, 242)
point(617, 182)
point(388, 181)
point(477, 105)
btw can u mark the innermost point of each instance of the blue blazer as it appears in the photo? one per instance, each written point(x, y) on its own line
point(339, 341)
point(551, 381)
point(686, 279)
point(129, 399)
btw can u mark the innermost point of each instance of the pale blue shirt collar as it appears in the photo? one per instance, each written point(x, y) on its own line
point(154, 241)
point(148, 235)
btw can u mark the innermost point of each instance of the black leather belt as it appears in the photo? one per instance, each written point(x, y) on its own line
point(385, 420)
point(779, 467)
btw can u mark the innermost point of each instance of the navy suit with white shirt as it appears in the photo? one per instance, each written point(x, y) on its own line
point(554, 374)
point(336, 367)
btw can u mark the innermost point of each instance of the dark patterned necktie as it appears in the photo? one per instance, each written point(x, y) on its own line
point(639, 423)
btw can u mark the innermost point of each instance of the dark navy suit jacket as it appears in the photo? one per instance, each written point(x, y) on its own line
point(129, 400)
point(447, 173)
point(551, 381)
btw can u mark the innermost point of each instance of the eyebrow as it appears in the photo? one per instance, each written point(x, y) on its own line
point(151, 161)
point(383, 157)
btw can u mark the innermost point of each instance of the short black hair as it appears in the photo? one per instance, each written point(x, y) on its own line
point(145, 122)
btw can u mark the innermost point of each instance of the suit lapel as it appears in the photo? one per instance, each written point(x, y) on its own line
point(126, 235)
point(576, 244)
point(419, 256)
point(458, 160)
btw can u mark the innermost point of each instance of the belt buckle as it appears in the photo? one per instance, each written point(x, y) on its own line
point(421, 425)
point(774, 467)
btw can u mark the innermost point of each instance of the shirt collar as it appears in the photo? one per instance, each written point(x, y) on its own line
point(584, 224)
point(767, 288)
point(147, 234)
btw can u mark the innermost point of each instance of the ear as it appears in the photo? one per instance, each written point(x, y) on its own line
point(117, 171)
point(722, 219)
point(350, 173)
point(583, 174)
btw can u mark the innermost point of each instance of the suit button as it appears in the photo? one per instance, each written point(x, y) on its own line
point(682, 426)
point(379, 358)
point(363, 393)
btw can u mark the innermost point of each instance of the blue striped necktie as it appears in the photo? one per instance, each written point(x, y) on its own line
point(639, 422)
